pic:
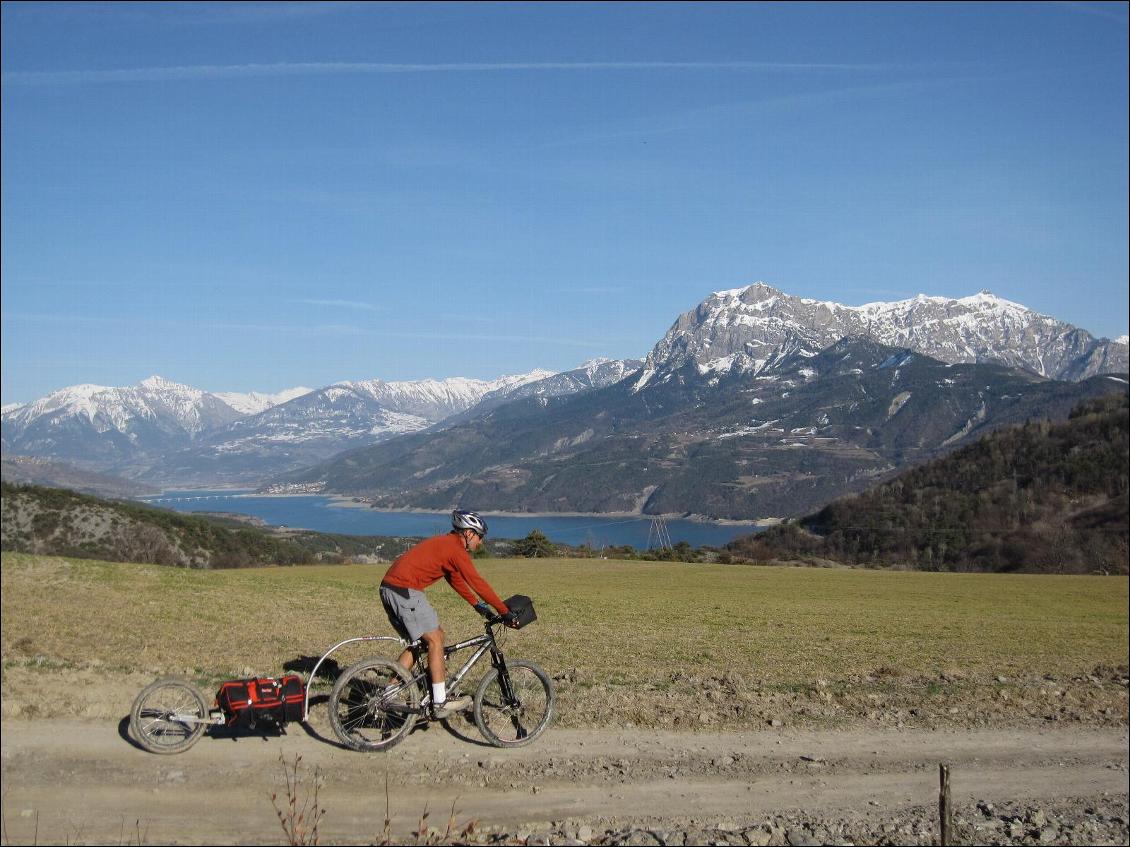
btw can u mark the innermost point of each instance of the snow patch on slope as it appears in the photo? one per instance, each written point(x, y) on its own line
point(254, 402)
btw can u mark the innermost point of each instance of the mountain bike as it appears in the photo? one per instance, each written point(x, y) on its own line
point(375, 702)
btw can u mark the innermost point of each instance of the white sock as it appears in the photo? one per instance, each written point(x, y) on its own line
point(439, 693)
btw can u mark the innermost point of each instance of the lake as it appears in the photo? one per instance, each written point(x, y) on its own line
point(324, 514)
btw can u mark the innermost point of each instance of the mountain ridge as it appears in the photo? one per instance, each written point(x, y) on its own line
point(743, 327)
point(169, 434)
point(727, 444)
point(166, 433)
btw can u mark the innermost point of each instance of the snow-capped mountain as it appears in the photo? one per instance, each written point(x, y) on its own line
point(100, 424)
point(593, 374)
point(803, 430)
point(155, 398)
point(170, 434)
point(323, 423)
point(435, 399)
point(746, 328)
point(347, 414)
point(173, 434)
point(254, 402)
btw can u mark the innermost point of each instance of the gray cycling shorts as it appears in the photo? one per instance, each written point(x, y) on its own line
point(409, 611)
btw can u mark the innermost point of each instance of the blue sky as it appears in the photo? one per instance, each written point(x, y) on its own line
point(254, 196)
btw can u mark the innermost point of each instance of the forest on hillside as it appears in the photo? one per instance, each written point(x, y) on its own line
point(1039, 497)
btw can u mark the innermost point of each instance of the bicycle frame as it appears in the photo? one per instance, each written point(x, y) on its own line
point(485, 643)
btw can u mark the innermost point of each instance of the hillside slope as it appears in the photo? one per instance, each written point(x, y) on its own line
point(31, 470)
point(1036, 497)
point(59, 522)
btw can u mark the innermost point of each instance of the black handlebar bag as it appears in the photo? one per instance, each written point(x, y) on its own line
point(522, 608)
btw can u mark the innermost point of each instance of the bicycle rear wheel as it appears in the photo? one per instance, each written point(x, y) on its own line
point(168, 716)
point(373, 705)
point(513, 711)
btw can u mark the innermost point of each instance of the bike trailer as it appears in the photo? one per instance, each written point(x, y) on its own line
point(245, 702)
point(522, 607)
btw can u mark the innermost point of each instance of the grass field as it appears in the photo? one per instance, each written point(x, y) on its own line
point(632, 625)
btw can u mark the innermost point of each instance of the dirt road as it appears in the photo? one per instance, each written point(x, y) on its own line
point(85, 782)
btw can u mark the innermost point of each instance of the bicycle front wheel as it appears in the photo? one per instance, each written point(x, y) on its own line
point(168, 716)
point(514, 708)
point(373, 705)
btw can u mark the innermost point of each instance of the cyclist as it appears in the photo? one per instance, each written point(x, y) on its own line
point(412, 616)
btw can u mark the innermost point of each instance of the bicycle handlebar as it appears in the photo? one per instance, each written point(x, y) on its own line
point(488, 614)
point(497, 620)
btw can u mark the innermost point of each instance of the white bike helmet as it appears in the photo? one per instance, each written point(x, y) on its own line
point(462, 519)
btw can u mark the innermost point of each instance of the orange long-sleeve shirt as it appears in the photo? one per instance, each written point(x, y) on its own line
point(442, 556)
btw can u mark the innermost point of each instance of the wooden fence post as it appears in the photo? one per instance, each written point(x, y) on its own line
point(945, 810)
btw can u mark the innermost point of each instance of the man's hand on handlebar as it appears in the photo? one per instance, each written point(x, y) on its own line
point(487, 612)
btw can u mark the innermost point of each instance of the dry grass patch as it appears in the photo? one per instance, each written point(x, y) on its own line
point(606, 625)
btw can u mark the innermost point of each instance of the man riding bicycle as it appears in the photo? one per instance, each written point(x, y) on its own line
point(412, 616)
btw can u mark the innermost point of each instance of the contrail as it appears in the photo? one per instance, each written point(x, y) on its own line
point(205, 72)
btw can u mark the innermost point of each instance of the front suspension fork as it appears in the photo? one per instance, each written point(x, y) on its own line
point(507, 689)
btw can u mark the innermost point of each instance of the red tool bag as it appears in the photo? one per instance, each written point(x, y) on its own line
point(245, 702)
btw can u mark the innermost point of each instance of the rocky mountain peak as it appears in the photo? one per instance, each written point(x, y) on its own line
point(747, 328)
